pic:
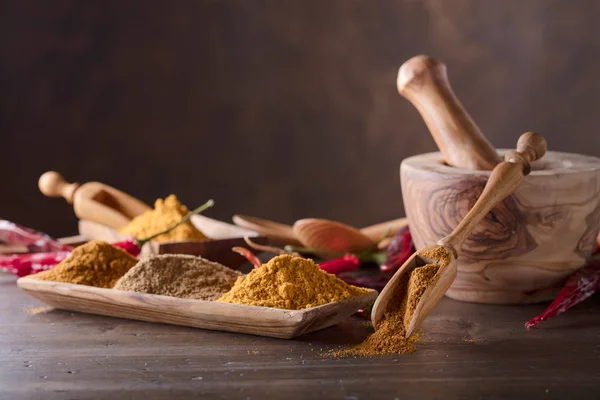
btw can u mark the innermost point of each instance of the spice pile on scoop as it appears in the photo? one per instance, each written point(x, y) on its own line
point(165, 213)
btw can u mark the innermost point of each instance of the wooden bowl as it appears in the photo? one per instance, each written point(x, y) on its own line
point(528, 245)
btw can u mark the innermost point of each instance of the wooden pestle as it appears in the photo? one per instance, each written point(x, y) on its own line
point(423, 80)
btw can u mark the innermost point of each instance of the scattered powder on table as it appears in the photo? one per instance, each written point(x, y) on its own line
point(179, 275)
point(289, 282)
point(36, 310)
point(166, 213)
point(95, 263)
point(389, 338)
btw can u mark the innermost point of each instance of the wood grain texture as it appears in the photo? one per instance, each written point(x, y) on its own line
point(528, 244)
point(471, 351)
point(504, 179)
point(262, 321)
point(423, 80)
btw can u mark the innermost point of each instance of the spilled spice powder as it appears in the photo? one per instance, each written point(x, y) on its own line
point(37, 310)
point(179, 275)
point(166, 213)
point(95, 263)
point(389, 338)
point(290, 282)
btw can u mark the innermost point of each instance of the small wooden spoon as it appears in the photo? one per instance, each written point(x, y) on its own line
point(504, 179)
point(315, 233)
point(93, 201)
point(424, 82)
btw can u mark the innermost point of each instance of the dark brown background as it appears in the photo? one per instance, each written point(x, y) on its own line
point(283, 109)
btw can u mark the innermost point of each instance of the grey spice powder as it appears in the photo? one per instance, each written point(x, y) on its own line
point(178, 275)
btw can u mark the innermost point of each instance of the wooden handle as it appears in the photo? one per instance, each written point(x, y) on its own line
point(52, 184)
point(389, 228)
point(424, 82)
point(279, 234)
point(504, 179)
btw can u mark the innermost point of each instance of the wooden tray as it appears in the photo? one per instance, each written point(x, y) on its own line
point(263, 321)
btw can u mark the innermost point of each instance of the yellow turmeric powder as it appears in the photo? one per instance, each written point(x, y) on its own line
point(166, 213)
point(95, 263)
point(289, 282)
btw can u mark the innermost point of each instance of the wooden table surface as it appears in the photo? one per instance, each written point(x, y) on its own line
point(471, 351)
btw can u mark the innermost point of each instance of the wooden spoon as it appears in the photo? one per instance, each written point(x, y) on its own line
point(93, 201)
point(504, 179)
point(424, 82)
point(282, 234)
point(315, 233)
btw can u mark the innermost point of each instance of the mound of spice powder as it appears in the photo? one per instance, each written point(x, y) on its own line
point(289, 282)
point(95, 263)
point(179, 275)
point(389, 336)
point(166, 213)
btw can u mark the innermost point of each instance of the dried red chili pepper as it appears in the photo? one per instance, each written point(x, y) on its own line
point(34, 240)
point(398, 251)
point(578, 287)
point(348, 262)
point(131, 246)
point(249, 255)
point(27, 264)
point(32, 263)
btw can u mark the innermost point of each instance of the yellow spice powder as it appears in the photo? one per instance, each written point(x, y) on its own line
point(95, 263)
point(166, 213)
point(289, 282)
point(437, 254)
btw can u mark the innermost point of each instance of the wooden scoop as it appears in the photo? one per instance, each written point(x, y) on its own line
point(93, 201)
point(504, 179)
point(424, 82)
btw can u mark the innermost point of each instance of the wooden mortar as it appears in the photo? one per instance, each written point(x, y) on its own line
point(525, 248)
